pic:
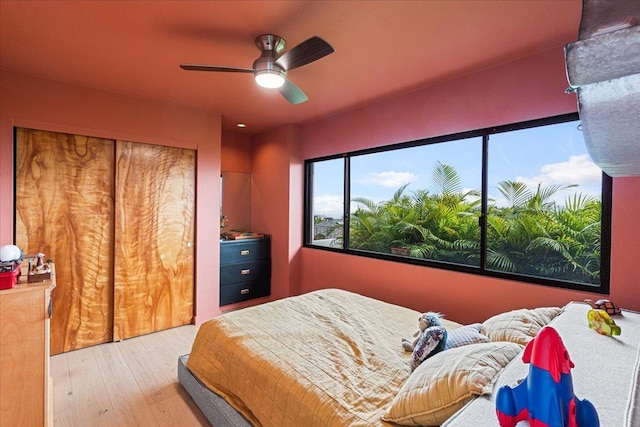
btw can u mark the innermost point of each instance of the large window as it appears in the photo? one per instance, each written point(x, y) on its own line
point(523, 202)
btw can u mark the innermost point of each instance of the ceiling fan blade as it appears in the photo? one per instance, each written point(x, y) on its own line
point(293, 93)
point(193, 67)
point(304, 53)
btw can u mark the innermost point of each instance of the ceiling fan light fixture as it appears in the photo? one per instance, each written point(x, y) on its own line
point(270, 79)
point(271, 68)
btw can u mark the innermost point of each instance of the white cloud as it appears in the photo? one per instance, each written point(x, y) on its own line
point(578, 170)
point(390, 179)
point(328, 205)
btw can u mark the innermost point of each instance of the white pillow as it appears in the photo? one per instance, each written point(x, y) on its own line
point(465, 335)
point(519, 326)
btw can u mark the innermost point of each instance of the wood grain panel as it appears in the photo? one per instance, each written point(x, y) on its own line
point(153, 238)
point(64, 208)
point(23, 356)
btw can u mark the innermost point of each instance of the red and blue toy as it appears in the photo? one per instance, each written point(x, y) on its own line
point(545, 397)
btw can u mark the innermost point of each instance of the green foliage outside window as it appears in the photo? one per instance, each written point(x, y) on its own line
point(532, 235)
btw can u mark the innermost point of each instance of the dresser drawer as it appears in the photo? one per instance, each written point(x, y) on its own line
point(241, 251)
point(238, 292)
point(244, 271)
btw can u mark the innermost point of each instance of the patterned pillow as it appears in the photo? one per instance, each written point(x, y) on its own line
point(465, 335)
point(447, 381)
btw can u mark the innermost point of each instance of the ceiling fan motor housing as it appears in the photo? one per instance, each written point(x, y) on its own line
point(266, 64)
point(271, 47)
point(271, 42)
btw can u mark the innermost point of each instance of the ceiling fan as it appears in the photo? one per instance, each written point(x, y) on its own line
point(270, 69)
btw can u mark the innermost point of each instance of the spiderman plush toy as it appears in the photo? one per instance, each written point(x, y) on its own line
point(545, 397)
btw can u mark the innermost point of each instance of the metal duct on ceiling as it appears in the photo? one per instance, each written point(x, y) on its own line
point(604, 68)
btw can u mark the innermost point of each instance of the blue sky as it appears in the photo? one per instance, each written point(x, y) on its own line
point(548, 155)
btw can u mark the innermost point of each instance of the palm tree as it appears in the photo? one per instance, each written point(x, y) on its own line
point(449, 229)
point(535, 236)
point(531, 235)
point(379, 226)
point(442, 226)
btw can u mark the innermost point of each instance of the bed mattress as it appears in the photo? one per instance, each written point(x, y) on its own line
point(328, 357)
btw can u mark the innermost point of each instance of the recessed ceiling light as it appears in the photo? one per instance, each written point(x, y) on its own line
point(241, 125)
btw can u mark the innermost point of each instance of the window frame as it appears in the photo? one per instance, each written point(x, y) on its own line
point(481, 270)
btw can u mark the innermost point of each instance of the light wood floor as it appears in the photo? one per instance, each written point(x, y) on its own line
point(128, 383)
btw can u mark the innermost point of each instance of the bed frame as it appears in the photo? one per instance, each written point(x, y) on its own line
point(217, 411)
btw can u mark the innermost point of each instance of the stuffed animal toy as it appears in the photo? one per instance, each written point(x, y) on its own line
point(425, 321)
point(432, 341)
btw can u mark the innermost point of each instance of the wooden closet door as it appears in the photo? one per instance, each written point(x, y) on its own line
point(64, 208)
point(153, 238)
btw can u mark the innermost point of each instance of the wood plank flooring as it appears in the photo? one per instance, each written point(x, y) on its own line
point(128, 383)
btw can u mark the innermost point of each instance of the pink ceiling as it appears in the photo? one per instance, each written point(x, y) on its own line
point(381, 47)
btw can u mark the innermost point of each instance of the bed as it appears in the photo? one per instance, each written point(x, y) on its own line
point(606, 370)
point(334, 358)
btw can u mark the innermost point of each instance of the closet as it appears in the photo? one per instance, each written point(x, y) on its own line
point(117, 217)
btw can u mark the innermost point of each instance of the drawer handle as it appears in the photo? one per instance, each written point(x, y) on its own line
point(245, 272)
point(244, 291)
point(245, 252)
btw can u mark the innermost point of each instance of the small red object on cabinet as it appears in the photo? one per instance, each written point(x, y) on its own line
point(8, 279)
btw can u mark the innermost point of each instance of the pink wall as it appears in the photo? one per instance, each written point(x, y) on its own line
point(625, 250)
point(527, 89)
point(236, 180)
point(531, 88)
point(276, 198)
point(236, 152)
point(43, 104)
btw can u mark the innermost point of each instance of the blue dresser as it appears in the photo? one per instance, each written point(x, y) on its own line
point(245, 269)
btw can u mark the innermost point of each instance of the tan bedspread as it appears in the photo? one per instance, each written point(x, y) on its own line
point(329, 357)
